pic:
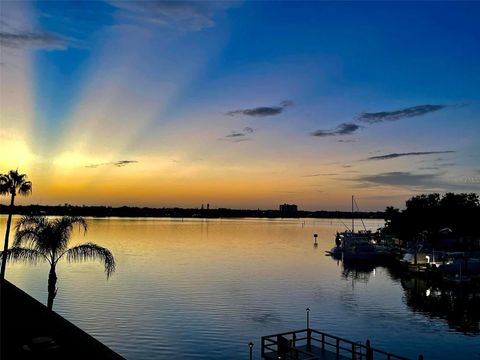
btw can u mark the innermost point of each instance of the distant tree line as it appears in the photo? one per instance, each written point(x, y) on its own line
point(431, 213)
point(127, 211)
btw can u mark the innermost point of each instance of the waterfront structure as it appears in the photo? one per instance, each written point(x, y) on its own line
point(288, 208)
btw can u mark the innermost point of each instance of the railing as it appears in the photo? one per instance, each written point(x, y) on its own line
point(306, 344)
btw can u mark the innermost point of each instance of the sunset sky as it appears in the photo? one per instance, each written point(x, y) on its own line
point(240, 104)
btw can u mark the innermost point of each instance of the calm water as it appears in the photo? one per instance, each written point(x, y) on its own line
point(203, 289)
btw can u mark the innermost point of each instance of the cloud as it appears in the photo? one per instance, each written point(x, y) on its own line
point(119, 163)
point(263, 110)
point(398, 178)
point(422, 182)
point(346, 140)
point(183, 15)
point(235, 134)
point(419, 110)
point(342, 129)
point(315, 175)
point(238, 136)
point(397, 155)
point(36, 40)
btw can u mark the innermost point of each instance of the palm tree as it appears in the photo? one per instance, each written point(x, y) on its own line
point(12, 183)
point(38, 238)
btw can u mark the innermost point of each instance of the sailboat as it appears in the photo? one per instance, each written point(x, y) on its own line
point(354, 245)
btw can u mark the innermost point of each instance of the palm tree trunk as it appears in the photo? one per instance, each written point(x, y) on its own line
point(7, 235)
point(52, 288)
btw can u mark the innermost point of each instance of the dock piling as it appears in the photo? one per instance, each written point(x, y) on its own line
point(308, 317)
point(250, 345)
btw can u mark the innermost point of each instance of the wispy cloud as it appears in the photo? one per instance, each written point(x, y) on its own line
point(346, 140)
point(398, 178)
point(424, 182)
point(342, 129)
point(182, 15)
point(239, 136)
point(263, 110)
point(409, 112)
point(397, 155)
point(316, 175)
point(36, 40)
point(235, 134)
point(119, 163)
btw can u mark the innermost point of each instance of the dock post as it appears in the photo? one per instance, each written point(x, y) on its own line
point(308, 317)
point(353, 351)
point(263, 347)
point(315, 236)
point(369, 352)
point(420, 357)
point(250, 345)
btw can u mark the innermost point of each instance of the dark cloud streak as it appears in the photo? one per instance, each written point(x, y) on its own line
point(342, 129)
point(119, 163)
point(397, 155)
point(263, 110)
point(419, 110)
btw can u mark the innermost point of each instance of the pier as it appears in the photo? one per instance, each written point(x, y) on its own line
point(310, 344)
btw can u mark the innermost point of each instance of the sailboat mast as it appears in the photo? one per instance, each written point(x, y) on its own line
point(353, 221)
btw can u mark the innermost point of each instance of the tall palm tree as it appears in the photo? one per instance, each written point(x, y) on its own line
point(12, 183)
point(38, 238)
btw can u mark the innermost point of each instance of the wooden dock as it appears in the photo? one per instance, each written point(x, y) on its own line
point(310, 344)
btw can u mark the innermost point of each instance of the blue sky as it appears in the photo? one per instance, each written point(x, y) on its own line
point(242, 104)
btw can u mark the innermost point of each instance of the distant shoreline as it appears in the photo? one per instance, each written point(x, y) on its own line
point(127, 211)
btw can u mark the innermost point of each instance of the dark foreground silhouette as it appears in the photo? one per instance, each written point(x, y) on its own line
point(30, 331)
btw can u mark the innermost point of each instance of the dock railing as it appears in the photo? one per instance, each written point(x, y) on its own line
point(308, 344)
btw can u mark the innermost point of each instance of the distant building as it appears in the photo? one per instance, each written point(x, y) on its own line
point(288, 208)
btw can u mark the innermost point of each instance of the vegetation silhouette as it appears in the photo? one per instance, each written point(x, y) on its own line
point(429, 214)
point(39, 239)
point(176, 212)
point(12, 183)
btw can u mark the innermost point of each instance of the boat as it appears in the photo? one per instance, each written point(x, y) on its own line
point(359, 245)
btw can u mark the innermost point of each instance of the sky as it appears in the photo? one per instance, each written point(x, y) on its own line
point(240, 104)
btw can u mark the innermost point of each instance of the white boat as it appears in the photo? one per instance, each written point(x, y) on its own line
point(357, 246)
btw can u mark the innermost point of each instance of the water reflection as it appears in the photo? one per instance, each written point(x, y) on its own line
point(358, 271)
point(458, 305)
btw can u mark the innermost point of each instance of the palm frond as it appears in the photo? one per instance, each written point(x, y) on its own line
point(63, 228)
point(91, 251)
point(23, 254)
point(5, 184)
point(25, 188)
point(30, 230)
point(32, 221)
